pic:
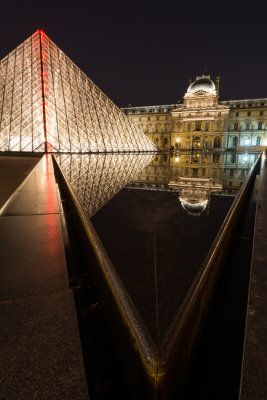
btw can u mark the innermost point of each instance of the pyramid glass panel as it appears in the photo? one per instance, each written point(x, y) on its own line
point(21, 108)
point(48, 103)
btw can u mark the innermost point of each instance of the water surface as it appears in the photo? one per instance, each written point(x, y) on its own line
point(157, 217)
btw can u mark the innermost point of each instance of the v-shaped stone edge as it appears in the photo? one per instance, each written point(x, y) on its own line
point(156, 369)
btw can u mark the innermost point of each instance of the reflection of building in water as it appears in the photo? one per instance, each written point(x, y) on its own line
point(202, 121)
point(195, 176)
point(194, 193)
point(96, 178)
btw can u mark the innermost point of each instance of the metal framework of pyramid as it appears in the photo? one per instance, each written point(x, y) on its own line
point(48, 104)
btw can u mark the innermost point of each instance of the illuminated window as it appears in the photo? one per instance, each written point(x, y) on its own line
point(198, 126)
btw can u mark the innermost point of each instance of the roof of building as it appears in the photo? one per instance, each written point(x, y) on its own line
point(240, 103)
point(203, 83)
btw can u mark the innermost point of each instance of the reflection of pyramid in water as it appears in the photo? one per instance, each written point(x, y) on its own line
point(96, 178)
point(48, 103)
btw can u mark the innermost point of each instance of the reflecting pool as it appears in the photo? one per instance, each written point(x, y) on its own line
point(157, 216)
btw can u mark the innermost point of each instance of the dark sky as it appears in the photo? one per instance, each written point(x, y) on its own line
point(144, 53)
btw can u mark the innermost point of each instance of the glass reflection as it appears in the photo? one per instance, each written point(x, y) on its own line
point(195, 176)
point(96, 178)
point(155, 215)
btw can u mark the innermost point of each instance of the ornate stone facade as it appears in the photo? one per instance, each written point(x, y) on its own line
point(204, 122)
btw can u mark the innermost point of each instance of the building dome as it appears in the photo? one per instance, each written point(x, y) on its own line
point(203, 83)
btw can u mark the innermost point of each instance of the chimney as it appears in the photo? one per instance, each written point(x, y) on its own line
point(217, 84)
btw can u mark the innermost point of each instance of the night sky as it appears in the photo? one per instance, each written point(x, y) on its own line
point(144, 53)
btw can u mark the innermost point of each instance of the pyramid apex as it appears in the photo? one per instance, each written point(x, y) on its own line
point(58, 108)
point(41, 31)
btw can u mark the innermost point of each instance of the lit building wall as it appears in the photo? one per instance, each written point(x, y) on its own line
point(202, 121)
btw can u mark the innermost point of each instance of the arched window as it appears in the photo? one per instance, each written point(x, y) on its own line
point(258, 141)
point(235, 141)
point(217, 142)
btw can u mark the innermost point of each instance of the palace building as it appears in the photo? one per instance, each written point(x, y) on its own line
point(204, 122)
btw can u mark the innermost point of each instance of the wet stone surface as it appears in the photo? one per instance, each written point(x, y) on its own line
point(13, 170)
point(39, 336)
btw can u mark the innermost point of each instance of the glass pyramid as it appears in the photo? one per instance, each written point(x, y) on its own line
point(48, 104)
